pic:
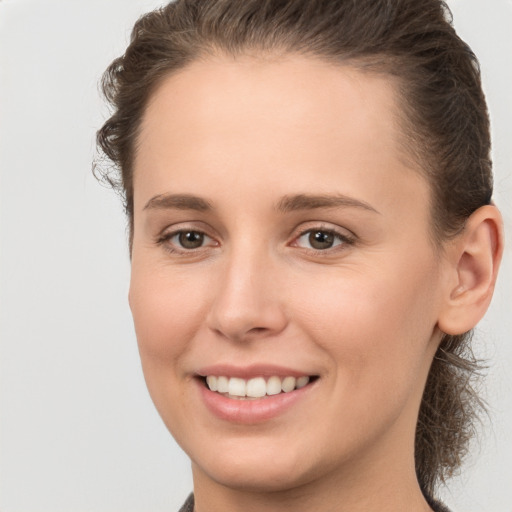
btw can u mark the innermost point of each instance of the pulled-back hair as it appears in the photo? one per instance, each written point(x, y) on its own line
point(445, 130)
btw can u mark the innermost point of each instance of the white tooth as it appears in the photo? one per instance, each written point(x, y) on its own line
point(256, 387)
point(222, 384)
point(236, 387)
point(212, 382)
point(301, 382)
point(273, 386)
point(288, 384)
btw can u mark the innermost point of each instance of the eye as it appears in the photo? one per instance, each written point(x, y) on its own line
point(189, 239)
point(186, 240)
point(321, 239)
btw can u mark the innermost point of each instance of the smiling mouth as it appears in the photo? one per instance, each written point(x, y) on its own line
point(257, 387)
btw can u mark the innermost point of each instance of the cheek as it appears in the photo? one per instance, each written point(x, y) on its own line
point(166, 310)
point(376, 326)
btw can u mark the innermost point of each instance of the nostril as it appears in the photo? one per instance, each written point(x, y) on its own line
point(257, 330)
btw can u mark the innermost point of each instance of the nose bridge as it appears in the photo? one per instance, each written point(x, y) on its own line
point(247, 301)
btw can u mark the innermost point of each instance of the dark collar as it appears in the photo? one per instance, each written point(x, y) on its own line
point(437, 506)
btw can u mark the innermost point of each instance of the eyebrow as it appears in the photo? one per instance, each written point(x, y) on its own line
point(285, 205)
point(178, 202)
point(310, 202)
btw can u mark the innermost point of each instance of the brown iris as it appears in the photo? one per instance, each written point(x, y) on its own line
point(191, 239)
point(321, 240)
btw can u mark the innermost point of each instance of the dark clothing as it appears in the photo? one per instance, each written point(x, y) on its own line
point(188, 506)
point(436, 506)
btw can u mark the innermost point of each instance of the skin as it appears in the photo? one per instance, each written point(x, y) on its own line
point(364, 316)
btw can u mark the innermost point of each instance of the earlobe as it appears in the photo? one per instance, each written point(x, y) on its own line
point(475, 257)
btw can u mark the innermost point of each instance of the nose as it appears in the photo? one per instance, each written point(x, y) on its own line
point(249, 302)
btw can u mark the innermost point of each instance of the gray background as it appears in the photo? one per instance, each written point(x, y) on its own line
point(77, 429)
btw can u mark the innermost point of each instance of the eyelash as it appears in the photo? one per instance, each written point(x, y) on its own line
point(165, 238)
point(343, 239)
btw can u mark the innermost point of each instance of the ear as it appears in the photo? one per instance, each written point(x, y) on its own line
point(474, 257)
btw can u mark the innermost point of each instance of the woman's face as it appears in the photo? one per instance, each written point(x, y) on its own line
point(280, 233)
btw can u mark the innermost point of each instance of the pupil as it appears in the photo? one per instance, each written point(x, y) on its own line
point(321, 240)
point(191, 239)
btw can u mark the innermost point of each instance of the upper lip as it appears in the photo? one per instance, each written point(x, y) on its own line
point(248, 372)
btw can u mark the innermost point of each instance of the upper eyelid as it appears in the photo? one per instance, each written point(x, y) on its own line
point(171, 234)
point(179, 227)
point(323, 226)
point(324, 229)
point(345, 239)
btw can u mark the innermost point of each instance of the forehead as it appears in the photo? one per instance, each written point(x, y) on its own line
point(283, 93)
point(274, 122)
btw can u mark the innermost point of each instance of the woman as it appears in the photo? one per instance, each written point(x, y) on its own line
point(308, 186)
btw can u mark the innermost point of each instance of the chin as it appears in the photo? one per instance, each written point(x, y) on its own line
point(256, 467)
point(255, 476)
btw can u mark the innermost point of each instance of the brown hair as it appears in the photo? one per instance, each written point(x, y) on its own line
point(445, 126)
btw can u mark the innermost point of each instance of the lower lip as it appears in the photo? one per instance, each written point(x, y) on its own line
point(250, 411)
